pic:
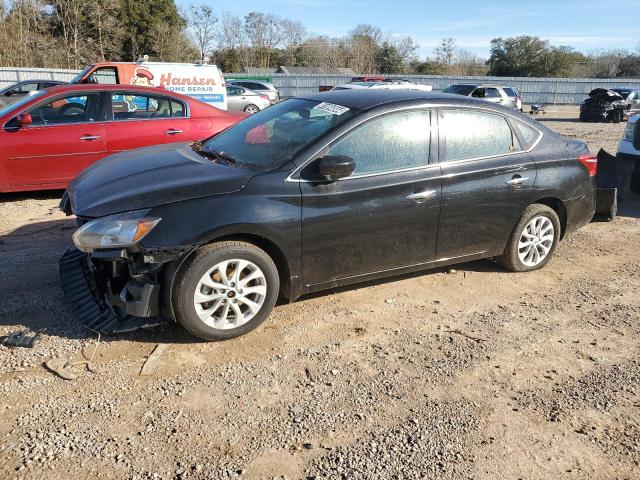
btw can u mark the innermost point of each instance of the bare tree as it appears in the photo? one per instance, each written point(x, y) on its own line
point(364, 42)
point(265, 33)
point(233, 44)
point(467, 63)
point(292, 35)
point(202, 26)
point(70, 18)
point(172, 45)
point(445, 52)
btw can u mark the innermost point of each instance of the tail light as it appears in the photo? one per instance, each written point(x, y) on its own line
point(264, 97)
point(590, 162)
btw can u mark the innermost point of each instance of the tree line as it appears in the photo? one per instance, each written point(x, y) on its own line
point(75, 33)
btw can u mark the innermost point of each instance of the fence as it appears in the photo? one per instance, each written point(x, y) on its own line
point(568, 91)
point(12, 75)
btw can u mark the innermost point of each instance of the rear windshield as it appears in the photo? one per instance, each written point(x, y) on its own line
point(459, 89)
point(275, 135)
point(510, 91)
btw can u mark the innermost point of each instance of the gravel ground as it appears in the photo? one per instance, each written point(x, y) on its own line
point(466, 373)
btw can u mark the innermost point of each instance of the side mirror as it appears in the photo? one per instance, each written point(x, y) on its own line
point(24, 119)
point(335, 167)
point(636, 136)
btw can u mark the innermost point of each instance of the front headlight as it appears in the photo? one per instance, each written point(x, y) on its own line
point(114, 231)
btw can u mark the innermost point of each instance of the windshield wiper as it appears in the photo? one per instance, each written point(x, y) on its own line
point(220, 157)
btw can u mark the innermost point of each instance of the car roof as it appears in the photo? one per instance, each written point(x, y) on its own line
point(90, 87)
point(367, 98)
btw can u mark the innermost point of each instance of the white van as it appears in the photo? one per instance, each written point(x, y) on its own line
point(201, 81)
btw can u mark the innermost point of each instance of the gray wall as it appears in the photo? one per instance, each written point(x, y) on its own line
point(570, 91)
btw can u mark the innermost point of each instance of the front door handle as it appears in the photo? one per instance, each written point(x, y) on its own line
point(517, 180)
point(421, 196)
point(172, 131)
point(88, 138)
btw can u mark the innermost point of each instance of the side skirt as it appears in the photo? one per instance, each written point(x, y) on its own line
point(442, 262)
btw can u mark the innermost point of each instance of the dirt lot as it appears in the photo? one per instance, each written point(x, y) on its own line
point(465, 373)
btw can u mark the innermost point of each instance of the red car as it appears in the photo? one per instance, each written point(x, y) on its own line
point(46, 139)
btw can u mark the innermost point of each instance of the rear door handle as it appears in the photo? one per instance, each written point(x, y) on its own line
point(421, 196)
point(88, 138)
point(172, 131)
point(517, 181)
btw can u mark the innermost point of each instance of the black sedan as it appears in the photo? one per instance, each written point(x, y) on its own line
point(312, 193)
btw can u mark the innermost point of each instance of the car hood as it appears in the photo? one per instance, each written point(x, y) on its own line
point(149, 177)
point(605, 94)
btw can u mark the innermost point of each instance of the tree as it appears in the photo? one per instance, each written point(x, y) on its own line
point(364, 42)
point(389, 59)
point(105, 28)
point(265, 33)
point(202, 26)
point(140, 19)
point(445, 52)
point(69, 21)
point(527, 56)
point(467, 63)
point(407, 49)
point(292, 35)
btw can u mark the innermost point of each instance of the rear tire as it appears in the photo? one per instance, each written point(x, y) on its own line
point(533, 241)
point(251, 109)
point(225, 290)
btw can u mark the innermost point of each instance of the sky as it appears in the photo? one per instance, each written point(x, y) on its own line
point(586, 25)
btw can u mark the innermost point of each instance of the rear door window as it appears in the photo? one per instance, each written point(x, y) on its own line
point(476, 134)
point(129, 106)
point(393, 142)
point(491, 93)
point(255, 86)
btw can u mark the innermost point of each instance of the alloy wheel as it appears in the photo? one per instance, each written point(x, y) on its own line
point(536, 241)
point(230, 294)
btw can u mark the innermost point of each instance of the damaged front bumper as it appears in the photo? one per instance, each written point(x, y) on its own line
point(114, 292)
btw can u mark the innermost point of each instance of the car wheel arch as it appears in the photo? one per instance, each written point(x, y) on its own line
point(557, 206)
point(288, 289)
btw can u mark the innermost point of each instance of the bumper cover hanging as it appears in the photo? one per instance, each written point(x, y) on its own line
point(95, 313)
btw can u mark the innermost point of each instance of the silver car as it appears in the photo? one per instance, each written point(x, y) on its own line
point(259, 86)
point(633, 97)
point(242, 99)
point(490, 93)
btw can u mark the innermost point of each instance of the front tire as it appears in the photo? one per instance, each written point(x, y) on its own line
point(251, 109)
point(533, 241)
point(225, 290)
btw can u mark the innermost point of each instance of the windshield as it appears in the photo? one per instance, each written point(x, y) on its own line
point(625, 93)
point(79, 76)
point(459, 89)
point(19, 103)
point(275, 135)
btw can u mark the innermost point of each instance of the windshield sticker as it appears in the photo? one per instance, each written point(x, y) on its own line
point(331, 108)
